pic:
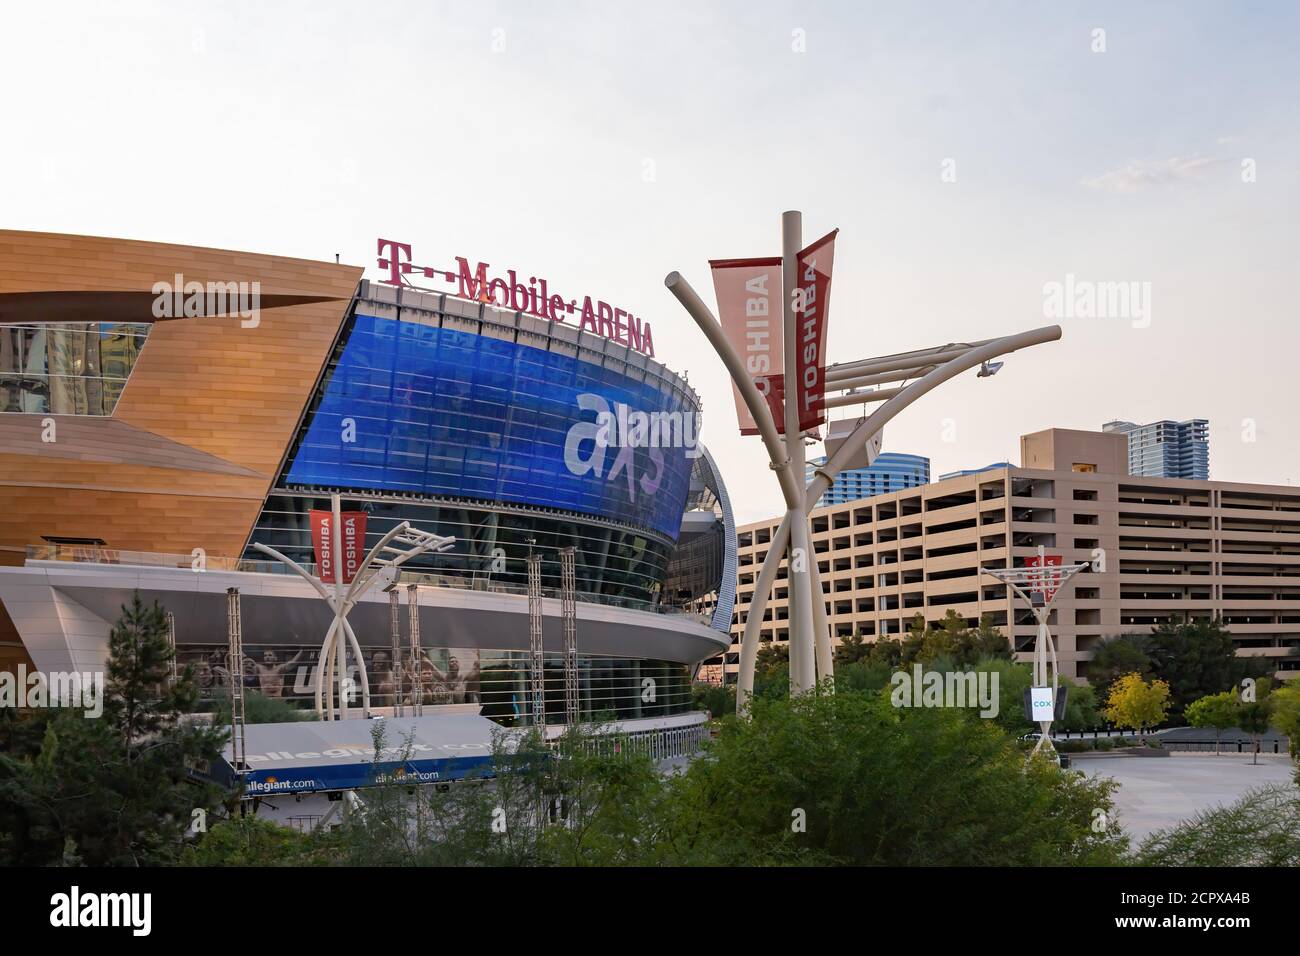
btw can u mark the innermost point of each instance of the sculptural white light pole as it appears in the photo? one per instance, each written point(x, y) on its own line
point(1048, 581)
point(811, 655)
point(381, 564)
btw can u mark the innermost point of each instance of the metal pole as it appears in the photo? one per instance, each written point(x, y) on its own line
point(795, 598)
point(395, 628)
point(825, 649)
point(536, 659)
point(417, 652)
point(235, 645)
point(172, 672)
point(1045, 662)
point(568, 613)
point(413, 543)
point(340, 646)
point(824, 476)
point(754, 616)
point(803, 673)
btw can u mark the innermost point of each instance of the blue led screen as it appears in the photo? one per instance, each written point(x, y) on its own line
point(443, 412)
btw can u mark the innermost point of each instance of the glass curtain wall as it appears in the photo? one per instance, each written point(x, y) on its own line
point(67, 369)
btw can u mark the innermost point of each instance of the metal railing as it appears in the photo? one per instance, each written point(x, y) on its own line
point(661, 744)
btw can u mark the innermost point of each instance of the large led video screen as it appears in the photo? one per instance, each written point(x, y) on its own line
point(437, 411)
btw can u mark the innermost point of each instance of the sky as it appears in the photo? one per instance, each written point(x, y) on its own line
point(971, 154)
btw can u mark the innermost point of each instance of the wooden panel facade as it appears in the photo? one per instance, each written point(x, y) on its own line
point(231, 394)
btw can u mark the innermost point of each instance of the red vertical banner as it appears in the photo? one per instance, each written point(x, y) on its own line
point(812, 310)
point(1043, 581)
point(749, 308)
point(353, 533)
point(354, 543)
point(322, 542)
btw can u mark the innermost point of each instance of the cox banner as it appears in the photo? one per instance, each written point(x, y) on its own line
point(749, 308)
point(353, 534)
point(812, 305)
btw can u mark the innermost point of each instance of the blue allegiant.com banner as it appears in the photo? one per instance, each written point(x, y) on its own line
point(437, 411)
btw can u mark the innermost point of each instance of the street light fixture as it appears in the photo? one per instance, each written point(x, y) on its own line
point(811, 655)
point(380, 566)
point(1038, 586)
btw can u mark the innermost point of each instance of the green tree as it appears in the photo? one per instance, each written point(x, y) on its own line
point(574, 802)
point(772, 671)
point(832, 779)
point(718, 699)
point(260, 709)
point(913, 642)
point(1286, 715)
point(1013, 680)
point(1255, 718)
point(850, 779)
point(1197, 658)
point(1219, 711)
point(989, 642)
point(1115, 657)
point(255, 841)
point(118, 790)
point(771, 657)
point(1081, 708)
point(886, 650)
point(952, 641)
point(863, 675)
point(851, 649)
point(938, 644)
point(1136, 703)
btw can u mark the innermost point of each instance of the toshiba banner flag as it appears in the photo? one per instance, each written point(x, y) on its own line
point(1044, 580)
point(812, 308)
point(354, 544)
point(749, 307)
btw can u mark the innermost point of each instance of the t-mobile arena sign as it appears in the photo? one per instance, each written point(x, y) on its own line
point(509, 292)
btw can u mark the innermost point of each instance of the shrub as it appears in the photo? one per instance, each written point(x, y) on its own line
point(842, 779)
point(849, 779)
point(250, 841)
point(260, 709)
point(1260, 829)
point(718, 699)
point(1073, 746)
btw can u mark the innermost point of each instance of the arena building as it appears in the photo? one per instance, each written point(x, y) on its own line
point(165, 408)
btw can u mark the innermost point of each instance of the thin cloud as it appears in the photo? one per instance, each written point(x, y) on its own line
point(1142, 174)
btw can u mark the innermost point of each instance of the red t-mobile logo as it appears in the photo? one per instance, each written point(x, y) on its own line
point(394, 264)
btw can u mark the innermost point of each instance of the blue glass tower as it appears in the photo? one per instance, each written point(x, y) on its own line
point(890, 472)
point(1167, 449)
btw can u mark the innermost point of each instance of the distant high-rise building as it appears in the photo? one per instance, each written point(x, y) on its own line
point(890, 472)
point(1167, 449)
